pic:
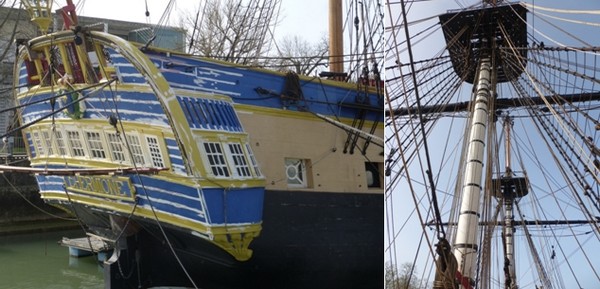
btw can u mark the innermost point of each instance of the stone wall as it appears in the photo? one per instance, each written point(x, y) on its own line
point(18, 196)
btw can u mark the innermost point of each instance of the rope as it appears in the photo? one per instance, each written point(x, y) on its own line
point(56, 111)
point(569, 20)
point(16, 190)
point(569, 11)
point(346, 127)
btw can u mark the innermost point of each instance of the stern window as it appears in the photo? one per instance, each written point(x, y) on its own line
point(253, 161)
point(116, 148)
point(60, 143)
point(76, 144)
point(157, 159)
point(95, 142)
point(37, 143)
point(136, 150)
point(216, 159)
point(239, 160)
point(48, 141)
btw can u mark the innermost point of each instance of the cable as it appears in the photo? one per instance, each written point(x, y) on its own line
point(56, 111)
point(16, 190)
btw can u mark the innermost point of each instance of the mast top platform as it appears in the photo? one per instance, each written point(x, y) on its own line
point(509, 188)
point(497, 28)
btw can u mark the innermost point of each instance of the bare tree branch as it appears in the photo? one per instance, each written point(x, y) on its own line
point(234, 30)
point(301, 56)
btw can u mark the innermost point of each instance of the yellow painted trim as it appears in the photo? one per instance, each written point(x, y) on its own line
point(84, 61)
point(102, 186)
point(201, 94)
point(206, 183)
point(48, 57)
point(147, 213)
point(274, 112)
point(105, 71)
point(234, 239)
point(103, 125)
point(37, 89)
point(66, 61)
point(166, 96)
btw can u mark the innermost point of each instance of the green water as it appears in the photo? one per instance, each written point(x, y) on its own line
point(37, 261)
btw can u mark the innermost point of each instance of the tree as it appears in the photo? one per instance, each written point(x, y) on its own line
point(238, 31)
point(401, 278)
point(300, 56)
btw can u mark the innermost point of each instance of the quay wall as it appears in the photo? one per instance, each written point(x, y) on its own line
point(21, 208)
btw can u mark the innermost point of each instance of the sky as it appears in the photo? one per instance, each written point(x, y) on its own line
point(305, 18)
point(403, 204)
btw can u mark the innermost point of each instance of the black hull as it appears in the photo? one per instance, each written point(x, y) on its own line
point(309, 240)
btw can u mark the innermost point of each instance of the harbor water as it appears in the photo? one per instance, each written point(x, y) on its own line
point(38, 261)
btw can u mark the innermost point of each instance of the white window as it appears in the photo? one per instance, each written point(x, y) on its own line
point(116, 147)
point(37, 143)
point(295, 170)
point(76, 144)
point(60, 142)
point(253, 161)
point(216, 159)
point(239, 160)
point(136, 150)
point(155, 155)
point(48, 142)
point(95, 143)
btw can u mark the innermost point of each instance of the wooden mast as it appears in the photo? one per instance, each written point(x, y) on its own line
point(336, 42)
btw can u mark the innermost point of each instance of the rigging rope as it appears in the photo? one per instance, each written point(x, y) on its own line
point(569, 11)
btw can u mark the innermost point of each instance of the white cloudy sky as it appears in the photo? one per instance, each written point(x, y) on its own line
point(305, 18)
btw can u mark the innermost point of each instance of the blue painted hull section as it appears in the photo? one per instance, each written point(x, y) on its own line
point(210, 206)
point(241, 84)
point(132, 106)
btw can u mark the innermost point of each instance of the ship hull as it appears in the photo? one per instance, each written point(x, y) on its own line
point(221, 136)
point(309, 240)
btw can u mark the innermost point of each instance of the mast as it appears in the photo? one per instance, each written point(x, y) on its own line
point(508, 197)
point(479, 30)
point(465, 244)
point(507, 189)
point(336, 42)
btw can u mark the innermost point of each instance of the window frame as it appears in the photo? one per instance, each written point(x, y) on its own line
point(253, 161)
point(220, 162)
point(157, 158)
point(234, 157)
point(118, 142)
point(92, 145)
point(304, 181)
point(80, 141)
point(131, 149)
